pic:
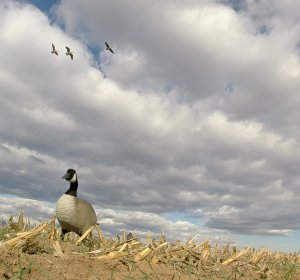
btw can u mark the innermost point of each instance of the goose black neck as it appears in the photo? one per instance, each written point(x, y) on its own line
point(73, 189)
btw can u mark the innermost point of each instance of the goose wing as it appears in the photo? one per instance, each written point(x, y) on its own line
point(71, 55)
point(86, 216)
point(53, 47)
point(68, 49)
point(107, 45)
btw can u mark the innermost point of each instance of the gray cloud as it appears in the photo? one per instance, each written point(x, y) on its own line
point(195, 113)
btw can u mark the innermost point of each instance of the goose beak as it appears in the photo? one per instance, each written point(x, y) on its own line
point(67, 176)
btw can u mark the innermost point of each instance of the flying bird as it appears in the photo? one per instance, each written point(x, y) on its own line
point(69, 52)
point(74, 214)
point(108, 47)
point(54, 50)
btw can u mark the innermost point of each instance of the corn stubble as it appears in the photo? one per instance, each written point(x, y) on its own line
point(186, 259)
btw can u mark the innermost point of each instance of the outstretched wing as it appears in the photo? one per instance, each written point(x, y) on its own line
point(68, 49)
point(71, 56)
point(108, 47)
point(53, 47)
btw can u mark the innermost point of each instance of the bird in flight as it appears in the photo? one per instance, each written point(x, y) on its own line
point(69, 52)
point(54, 50)
point(108, 47)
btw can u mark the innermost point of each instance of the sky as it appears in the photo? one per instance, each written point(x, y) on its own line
point(190, 127)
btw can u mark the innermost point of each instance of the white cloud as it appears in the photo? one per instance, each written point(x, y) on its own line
point(112, 222)
point(196, 112)
point(35, 210)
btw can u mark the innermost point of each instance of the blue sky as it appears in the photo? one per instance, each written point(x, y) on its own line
point(44, 5)
point(190, 127)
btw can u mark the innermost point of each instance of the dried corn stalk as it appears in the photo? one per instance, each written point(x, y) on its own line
point(258, 256)
point(191, 240)
point(140, 256)
point(26, 235)
point(52, 229)
point(85, 234)
point(123, 247)
point(21, 221)
point(236, 256)
point(205, 250)
point(58, 252)
point(112, 256)
point(161, 246)
point(100, 233)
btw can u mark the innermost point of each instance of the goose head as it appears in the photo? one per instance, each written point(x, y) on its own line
point(70, 176)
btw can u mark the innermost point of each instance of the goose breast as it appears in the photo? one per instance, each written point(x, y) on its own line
point(75, 214)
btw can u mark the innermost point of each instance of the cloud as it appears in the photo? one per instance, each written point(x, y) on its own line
point(165, 44)
point(37, 211)
point(195, 113)
point(113, 222)
point(198, 51)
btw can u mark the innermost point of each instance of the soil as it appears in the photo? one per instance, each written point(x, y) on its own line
point(39, 265)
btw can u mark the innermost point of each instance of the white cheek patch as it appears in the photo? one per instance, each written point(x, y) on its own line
point(73, 180)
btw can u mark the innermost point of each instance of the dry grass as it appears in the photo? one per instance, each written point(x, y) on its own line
point(182, 260)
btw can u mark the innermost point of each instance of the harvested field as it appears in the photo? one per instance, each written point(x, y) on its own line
point(35, 252)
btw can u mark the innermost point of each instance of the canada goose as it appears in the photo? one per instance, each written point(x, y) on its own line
point(54, 50)
point(108, 47)
point(69, 52)
point(74, 214)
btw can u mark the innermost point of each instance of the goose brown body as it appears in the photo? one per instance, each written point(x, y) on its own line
point(74, 214)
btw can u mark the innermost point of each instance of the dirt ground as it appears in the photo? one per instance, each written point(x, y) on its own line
point(15, 264)
point(35, 255)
